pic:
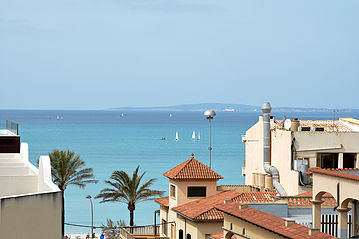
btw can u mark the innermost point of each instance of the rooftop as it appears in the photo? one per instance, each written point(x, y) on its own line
point(268, 221)
point(340, 125)
point(303, 200)
point(192, 169)
point(204, 209)
point(351, 174)
point(162, 201)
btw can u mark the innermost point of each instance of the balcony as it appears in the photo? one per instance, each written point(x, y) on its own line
point(9, 138)
point(141, 232)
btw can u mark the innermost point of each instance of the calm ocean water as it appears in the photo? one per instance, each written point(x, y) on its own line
point(107, 142)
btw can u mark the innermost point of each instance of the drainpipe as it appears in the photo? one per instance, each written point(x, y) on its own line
point(268, 168)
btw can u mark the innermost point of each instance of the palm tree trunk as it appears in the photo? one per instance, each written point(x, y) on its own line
point(131, 218)
point(63, 213)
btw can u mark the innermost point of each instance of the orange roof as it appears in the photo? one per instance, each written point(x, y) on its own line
point(256, 197)
point(218, 235)
point(204, 209)
point(192, 169)
point(303, 200)
point(163, 201)
point(336, 173)
point(268, 221)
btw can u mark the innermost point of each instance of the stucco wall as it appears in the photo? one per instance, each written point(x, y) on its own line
point(251, 230)
point(254, 151)
point(181, 191)
point(163, 216)
point(280, 157)
point(33, 216)
point(198, 230)
point(325, 183)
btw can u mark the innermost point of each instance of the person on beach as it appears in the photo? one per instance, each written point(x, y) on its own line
point(93, 235)
point(102, 236)
point(88, 236)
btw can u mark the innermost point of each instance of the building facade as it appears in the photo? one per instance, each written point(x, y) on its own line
point(30, 203)
point(295, 146)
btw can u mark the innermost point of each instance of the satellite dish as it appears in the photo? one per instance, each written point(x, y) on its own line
point(287, 124)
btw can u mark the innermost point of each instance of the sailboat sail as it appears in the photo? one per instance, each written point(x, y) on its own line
point(199, 136)
point(176, 135)
point(194, 135)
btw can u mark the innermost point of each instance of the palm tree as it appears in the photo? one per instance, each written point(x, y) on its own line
point(66, 169)
point(128, 190)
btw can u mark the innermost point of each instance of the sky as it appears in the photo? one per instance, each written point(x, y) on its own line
point(100, 54)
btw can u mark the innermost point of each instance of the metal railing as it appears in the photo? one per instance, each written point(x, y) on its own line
point(136, 232)
point(12, 127)
point(143, 230)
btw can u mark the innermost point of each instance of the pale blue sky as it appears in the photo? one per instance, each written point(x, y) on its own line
point(98, 54)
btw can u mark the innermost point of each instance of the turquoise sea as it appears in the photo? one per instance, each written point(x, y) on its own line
point(116, 140)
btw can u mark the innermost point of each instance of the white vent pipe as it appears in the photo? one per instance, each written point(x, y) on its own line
point(268, 168)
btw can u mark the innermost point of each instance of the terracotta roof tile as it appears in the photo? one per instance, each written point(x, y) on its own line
point(303, 200)
point(163, 201)
point(335, 173)
point(204, 209)
point(256, 197)
point(192, 169)
point(218, 235)
point(268, 221)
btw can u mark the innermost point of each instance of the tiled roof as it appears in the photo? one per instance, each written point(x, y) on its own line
point(303, 200)
point(163, 201)
point(310, 194)
point(335, 173)
point(268, 221)
point(192, 169)
point(326, 124)
point(218, 235)
point(204, 209)
point(256, 197)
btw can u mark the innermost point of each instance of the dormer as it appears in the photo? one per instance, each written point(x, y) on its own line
point(189, 181)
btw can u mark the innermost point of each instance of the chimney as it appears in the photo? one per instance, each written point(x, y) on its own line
point(312, 231)
point(288, 223)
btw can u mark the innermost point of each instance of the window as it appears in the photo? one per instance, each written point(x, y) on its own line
point(188, 236)
point(196, 192)
point(244, 231)
point(180, 234)
point(305, 129)
point(173, 191)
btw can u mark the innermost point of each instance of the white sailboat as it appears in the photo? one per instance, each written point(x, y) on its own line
point(176, 135)
point(199, 136)
point(194, 135)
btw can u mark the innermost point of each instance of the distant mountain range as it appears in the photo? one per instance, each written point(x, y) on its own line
point(228, 107)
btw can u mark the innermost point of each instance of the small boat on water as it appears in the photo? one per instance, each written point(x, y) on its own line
point(176, 136)
point(199, 136)
point(171, 115)
point(194, 135)
point(162, 138)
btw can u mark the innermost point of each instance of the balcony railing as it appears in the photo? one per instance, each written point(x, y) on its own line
point(141, 232)
point(12, 127)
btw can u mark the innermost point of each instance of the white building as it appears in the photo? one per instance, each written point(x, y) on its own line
point(30, 203)
point(296, 145)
